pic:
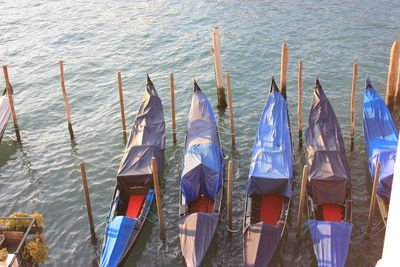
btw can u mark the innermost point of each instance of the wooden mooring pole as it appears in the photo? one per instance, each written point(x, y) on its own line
point(121, 105)
point(158, 196)
point(300, 100)
point(229, 199)
point(87, 201)
point(172, 90)
point(302, 199)
point(67, 108)
point(352, 104)
point(373, 197)
point(284, 62)
point(216, 51)
point(397, 95)
point(391, 80)
point(231, 122)
point(11, 103)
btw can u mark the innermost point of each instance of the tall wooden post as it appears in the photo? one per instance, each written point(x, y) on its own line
point(231, 122)
point(302, 199)
point(87, 201)
point(397, 96)
point(158, 196)
point(300, 100)
point(11, 103)
point(284, 62)
point(121, 105)
point(216, 51)
point(352, 105)
point(67, 108)
point(172, 86)
point(372, 205)
point(230, 188)
point(391, 80)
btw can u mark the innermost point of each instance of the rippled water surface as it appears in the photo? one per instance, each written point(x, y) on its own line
point(100, 38)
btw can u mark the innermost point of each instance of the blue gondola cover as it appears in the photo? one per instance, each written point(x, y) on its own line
point(203, 162)
point(271, 168)
point(331, 242)
point(118, 235)
point(381, 138)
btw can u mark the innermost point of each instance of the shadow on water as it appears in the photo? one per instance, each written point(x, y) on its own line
point(7, 150)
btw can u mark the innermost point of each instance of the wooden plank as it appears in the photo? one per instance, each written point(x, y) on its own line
point(66, 102)
point(373, 197)
point(352, 104)
point(216, 51)
point(229, 199)
point(302, 199)
point(300, 100)
point(158, 196)
point(87, 201)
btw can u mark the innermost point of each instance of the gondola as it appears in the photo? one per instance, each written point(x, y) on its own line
point(381, 138)
point(328, 184)
point(201, 181)
point(5, 113)
point(134, 194)
point(269, 187)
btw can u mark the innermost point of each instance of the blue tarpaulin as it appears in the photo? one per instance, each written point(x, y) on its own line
point(118, 235)
point(203, 162)
point(381, 138)
point(271, 168)
point(331, 242)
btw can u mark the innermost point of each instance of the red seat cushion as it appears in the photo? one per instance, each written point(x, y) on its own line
point(332, 212)
point(271, 206)
point(134, 206)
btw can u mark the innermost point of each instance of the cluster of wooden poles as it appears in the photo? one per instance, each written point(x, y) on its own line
point(392, 97)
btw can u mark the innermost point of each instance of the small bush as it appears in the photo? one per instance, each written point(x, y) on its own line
point(35, 251)
point(3, 254)
point(22, 224)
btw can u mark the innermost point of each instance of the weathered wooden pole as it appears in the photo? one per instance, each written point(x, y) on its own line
point(216, 51)
point(373, 197)
point(67, 108)
point(284, 62)
point(300, 100)
point(231, 122)
point(352, 105)
point(302, 199)
point(230, 188)
point(391, 80)
point(121, 105)
point(11, 103)
point(397, 96)
point(87, 201)
point(158, 196)
point(172, 87)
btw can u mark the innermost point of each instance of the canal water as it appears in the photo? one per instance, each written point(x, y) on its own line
point(99, 38)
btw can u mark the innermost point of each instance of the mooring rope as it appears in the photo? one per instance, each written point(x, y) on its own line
point(232, 230)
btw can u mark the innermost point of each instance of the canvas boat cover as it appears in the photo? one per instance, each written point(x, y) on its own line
point(146, 140)
point(196, 232)
point(118, 236)
point(5, 113)
point(330, 241)
point(203, 161)
point(328, 169)
point(261, 240)
point(381, 138)
point(271, 167)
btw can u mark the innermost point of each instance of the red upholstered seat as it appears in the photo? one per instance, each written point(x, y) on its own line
point(332, 212)
point(271, 206)
point(134, 206)
point(202, 204)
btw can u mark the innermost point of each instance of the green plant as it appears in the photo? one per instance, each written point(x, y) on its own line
point(3, 254)
point(35, 251)
point(22, 224)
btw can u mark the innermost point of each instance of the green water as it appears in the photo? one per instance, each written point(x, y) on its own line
point(98, 39)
